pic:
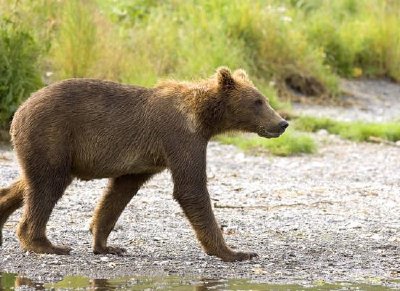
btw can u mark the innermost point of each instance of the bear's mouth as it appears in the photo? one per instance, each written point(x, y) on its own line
point(263, 132)
point(268, 134)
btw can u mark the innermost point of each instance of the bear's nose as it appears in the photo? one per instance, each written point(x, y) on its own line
point(283, 124)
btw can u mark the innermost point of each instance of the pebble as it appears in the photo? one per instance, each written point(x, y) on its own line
point(104, 259)
point(322, 132)
point(112, 265)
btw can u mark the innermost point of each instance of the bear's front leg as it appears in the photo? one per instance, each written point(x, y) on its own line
point(197, 207)
point(190, 190)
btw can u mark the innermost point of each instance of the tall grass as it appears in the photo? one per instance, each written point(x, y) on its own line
point(180, 35)
point(179, 39)
point(19, 74)
point(140, 41)
point(358, 37)
point(74, 48)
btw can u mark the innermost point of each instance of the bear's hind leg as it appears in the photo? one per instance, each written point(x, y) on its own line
point(40, 198)
point(117, 195)
point(11, 198)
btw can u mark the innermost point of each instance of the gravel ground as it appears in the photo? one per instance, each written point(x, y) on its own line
point(332, 216)
point(371, 100)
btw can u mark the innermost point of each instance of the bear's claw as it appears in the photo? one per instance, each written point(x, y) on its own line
point(48, 249)
point(110, 250)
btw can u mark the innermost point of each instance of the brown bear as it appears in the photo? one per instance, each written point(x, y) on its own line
point(93, 129)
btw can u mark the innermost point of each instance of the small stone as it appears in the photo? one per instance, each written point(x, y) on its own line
point(104, 259)
point(376, 236)
point(6, 258)
point(258, 271)
point(322, 132)
point(112, 265)
point(394, 239)
point(354, 224)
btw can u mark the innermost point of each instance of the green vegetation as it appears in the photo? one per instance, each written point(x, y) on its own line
point(74, 48)
point(141, 41)
point(290, 143)
point(358, 131)
point(18, 73)
point(358, 37)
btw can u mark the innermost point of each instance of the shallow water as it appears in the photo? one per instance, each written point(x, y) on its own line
point(10, 281)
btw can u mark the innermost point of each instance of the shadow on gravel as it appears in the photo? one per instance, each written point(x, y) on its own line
point(9, 281)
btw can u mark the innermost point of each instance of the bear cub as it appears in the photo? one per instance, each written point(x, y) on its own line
point(93, 129)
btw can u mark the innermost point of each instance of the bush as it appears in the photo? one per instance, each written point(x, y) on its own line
point(19, 73)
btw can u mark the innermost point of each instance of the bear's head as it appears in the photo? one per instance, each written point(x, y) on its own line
point(244, 107)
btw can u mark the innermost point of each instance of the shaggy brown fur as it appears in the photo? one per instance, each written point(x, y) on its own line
point(92, 129)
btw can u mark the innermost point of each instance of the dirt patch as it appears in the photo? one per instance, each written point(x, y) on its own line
point(368, 100)
point(333, 216)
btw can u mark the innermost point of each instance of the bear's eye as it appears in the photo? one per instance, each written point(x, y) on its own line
point(258, 102)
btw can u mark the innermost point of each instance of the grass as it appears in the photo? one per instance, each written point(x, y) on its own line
point(359, 38)
point(73, 50)
point(290, 143)
point(357, 131)
point(149, 39)
point(140, 41)
point(19, 75)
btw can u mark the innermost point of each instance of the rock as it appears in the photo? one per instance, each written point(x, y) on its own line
point(323, 132)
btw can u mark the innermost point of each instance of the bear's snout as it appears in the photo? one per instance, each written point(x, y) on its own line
point(283, 125)
point(273, 131)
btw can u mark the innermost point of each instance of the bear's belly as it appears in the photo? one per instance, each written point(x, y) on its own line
point(91, 168)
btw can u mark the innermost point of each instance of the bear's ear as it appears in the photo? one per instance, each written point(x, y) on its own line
point(240, 73)
point(225, 78)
